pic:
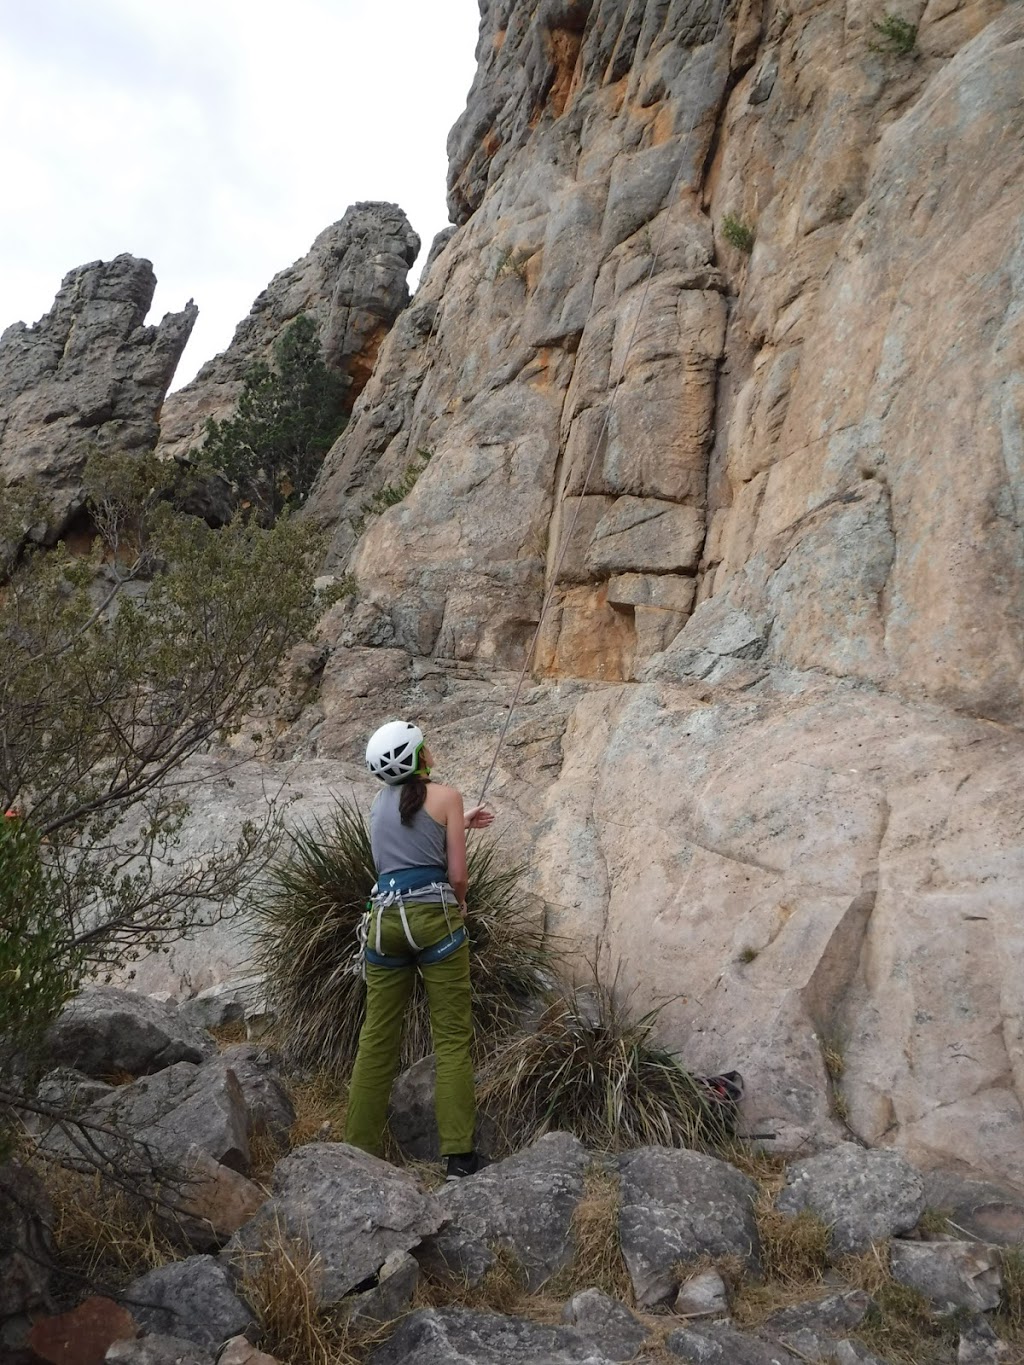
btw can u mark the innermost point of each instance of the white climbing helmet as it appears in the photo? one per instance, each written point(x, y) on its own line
point(393, 753)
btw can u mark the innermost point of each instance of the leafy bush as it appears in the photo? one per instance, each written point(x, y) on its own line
point(591, 1068)
point(102, 702)
point(737, 234)
point(307, 937)
point(288, 417)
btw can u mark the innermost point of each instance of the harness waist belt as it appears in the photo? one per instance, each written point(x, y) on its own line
point(406, 879)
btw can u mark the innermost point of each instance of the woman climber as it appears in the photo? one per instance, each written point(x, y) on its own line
point(415, 923)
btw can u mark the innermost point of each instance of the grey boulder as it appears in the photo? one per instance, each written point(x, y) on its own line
point(458, 1336)
point(229, 1002)
point(606, 1322)
point(391, 1295)
point(193, 1299)
point(182, 1105)
point(524, 1204)
point(105, 1030)
point(951, 1275)
point(412, 1121)
point(157, 1350)
point(676, 1206)
point(721, 1344)
point(351, 1209)
point(864, 1195)
point(258, 1071)
point(813, 1328)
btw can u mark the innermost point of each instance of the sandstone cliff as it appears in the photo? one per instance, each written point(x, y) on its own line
point(88, 375)
point(353, 281)
point(769, 760)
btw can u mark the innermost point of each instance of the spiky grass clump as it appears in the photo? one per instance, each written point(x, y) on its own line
point(591, 1068)
point(307, 937)
point(281, 1281)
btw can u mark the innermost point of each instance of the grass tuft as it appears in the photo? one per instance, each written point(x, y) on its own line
point(1010, 1316)
point(901, 1325)
point(591, 1068)
point(281, 1283)
point(306, 938)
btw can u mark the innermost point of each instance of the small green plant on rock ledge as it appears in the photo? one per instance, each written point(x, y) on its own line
point(896, 37)
point(737, 234)
point(390, 494)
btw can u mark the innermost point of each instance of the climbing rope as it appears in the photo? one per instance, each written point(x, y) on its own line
point(610, 407)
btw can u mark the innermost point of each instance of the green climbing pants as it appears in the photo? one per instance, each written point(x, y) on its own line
point(388, 990)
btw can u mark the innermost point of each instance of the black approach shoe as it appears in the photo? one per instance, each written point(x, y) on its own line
point(463, 1164)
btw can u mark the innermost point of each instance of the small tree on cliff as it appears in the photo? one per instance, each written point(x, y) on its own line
point(118, 668)
point(288, 417)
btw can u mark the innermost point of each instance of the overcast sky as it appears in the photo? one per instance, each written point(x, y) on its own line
point(215, 137)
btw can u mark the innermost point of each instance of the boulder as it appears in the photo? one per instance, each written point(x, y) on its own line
point(412, 1121)
point(227, 1002)
point(26, 1241)
point(208, 1202)
point(702, 1296)
point(158, 1350)
point(864, 1195)
point(69, 1090)
point(442, 1336)
point(258, 1071)
point(524, 1203)
point(391, 1295)
point(182, 1105)
point(982, 1209)
point(848, 1352)
point(83, 1335)
point(106, 1030)
point(613, 1329)
point(979, 1345)
point(677, 1206)
point(351, 1209)
point(192, 1299)
point(951, 1275)
point(721, 1344)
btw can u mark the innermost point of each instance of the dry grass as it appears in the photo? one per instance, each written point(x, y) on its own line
point(321, 1103)
point(229, 1035)
point(101, 1232)
point(598, 1262)
point(281, 1281)
point(901, 1326)
point(592, 1068)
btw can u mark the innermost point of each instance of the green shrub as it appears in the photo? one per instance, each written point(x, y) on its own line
point(288, 417)
point(306, 938)
point(737, 234)
point(591, 1068)
point(896, 36)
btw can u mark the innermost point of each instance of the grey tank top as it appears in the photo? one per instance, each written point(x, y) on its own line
point(421, 843)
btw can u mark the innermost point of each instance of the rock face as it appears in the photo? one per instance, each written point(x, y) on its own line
point(352, 280)
point(774, 497)
point(88, 375)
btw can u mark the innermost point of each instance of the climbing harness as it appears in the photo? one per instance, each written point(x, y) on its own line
point(720, 1096)
point(603, 434)
point(390, 891)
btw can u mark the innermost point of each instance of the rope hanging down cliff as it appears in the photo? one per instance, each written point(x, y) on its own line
point(697, 104)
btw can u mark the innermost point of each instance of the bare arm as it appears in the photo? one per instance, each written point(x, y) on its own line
point(455, 832)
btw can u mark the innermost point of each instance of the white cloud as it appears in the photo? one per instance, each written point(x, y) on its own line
point(216, 137)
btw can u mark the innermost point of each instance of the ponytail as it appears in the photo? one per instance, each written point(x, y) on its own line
point(414, 793)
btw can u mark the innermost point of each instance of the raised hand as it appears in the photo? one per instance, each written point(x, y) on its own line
point(479, 817)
